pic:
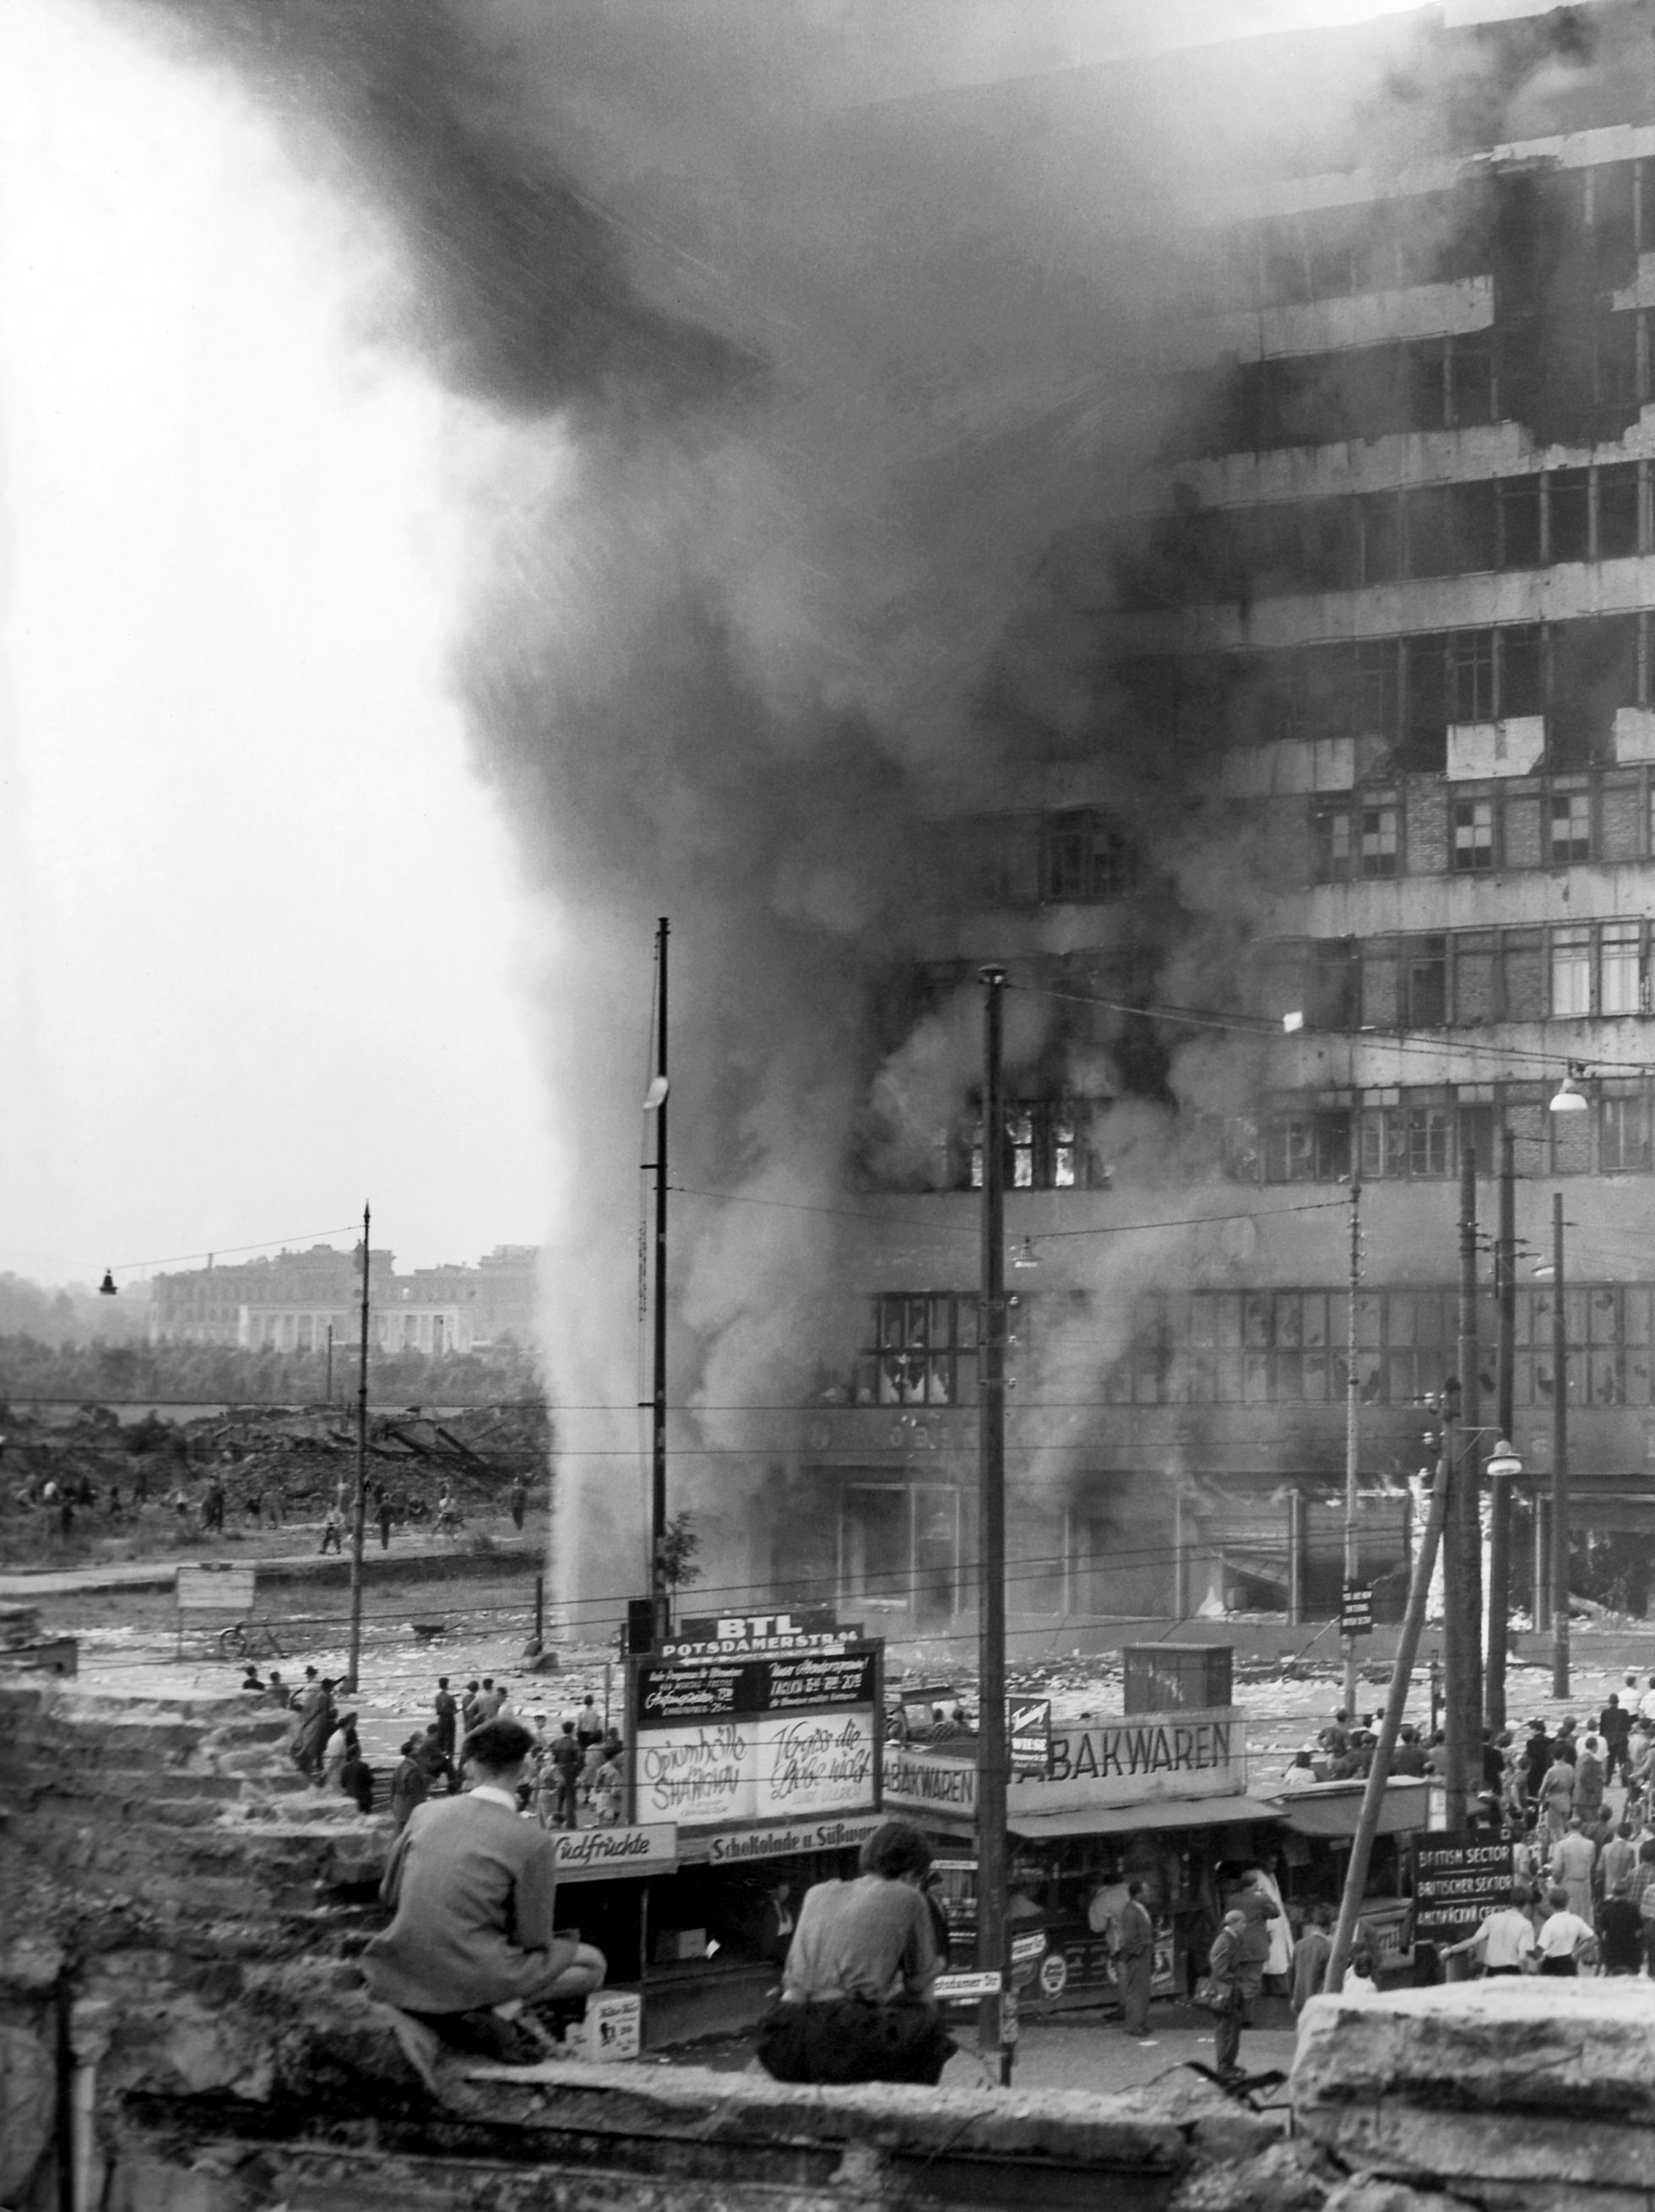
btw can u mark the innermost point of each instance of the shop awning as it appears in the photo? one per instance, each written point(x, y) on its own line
point(1126, 1819)
point(1335, 1809)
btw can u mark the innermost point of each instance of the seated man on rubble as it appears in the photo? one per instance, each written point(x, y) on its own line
point(474, 1887)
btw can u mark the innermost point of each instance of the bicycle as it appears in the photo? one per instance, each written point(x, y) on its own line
point(250, 1640)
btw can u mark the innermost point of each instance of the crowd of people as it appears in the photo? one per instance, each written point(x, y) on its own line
point(572, 1771)
point(1577, 1802)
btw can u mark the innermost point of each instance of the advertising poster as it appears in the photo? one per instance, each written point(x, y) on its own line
point(783, 1738)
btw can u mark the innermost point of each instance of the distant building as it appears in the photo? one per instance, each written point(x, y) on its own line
point(289, 1302)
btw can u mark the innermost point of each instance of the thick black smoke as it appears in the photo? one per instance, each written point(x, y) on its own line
point(787, 393)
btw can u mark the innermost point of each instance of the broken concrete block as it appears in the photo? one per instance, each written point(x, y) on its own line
point(1511, 2084)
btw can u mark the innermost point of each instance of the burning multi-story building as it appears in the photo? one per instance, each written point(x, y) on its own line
point(1345, 872)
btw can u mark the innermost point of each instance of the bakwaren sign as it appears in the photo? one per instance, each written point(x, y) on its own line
point(1135, 1761)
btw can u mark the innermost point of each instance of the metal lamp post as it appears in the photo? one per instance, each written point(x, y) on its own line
point(991, 1759)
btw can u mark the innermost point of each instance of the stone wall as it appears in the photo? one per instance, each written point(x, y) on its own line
point(161, 1860)
point(1514, 2095)
point(183, 2028)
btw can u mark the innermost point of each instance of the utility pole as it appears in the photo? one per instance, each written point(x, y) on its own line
point(1500, 1496)
point(991, 1760)
point(1402, 1676)
point(1454, 1635)
point(1353, 1409)
point(659, 1588)
point(1462, 1536)
point(1560, 1463)
point(359, 1515)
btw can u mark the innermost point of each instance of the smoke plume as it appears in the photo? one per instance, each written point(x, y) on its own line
point(781, 392)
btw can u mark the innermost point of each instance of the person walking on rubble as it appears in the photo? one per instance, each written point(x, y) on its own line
point(332, 1532)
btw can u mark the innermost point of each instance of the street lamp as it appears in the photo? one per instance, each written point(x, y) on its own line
point(1502, 1464)
point(1567, 1098)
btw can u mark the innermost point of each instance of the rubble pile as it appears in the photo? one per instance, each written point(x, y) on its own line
point(297, 1454)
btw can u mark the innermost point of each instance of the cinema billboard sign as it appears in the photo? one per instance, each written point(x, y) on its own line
point(786, 1736)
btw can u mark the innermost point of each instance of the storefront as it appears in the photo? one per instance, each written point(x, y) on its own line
point(758, 1740)
point(1158, 1797)
point(1161, 1798)
point(1318, 1827)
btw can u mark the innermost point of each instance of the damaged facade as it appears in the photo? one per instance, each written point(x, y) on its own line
point(1371, 749)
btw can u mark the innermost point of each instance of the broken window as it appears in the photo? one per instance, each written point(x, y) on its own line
point(1428, 983)
point(1570, 837)
point(1521, 650)
point(1334, 993)
point(1471, 676)
point(1519, 522)
point(1308, 1146)
point(1569, 507)
point(1334, 831)
point(1380, 838)
point(1384, 542)
point(1471, 380)
point(1085, 857)
point(1427, 702)
point(1617, 511)
point(1474, 835)
point(923, 1350)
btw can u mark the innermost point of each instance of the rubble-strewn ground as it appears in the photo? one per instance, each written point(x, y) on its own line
point(138, 1487)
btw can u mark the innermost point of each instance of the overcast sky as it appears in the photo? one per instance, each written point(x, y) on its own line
point(264, 949)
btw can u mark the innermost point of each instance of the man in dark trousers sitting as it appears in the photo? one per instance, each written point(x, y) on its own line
point(474, 1889)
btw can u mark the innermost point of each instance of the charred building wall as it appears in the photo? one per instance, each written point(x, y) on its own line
point(1361, 733)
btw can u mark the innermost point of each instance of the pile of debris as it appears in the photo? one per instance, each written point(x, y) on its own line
point(295, 1456)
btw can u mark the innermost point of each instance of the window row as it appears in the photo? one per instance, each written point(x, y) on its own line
point(1262, 1347)
point(1050, 1144)
point(1346, 542)
point(1268, 1348)
point(1462, 979)
point(1421, 1134)
point(1473, 829)
point(1599, 216)
point(1583, 379)
point(1410, 690)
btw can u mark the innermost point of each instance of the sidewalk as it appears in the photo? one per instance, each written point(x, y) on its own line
point(159, 1573)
